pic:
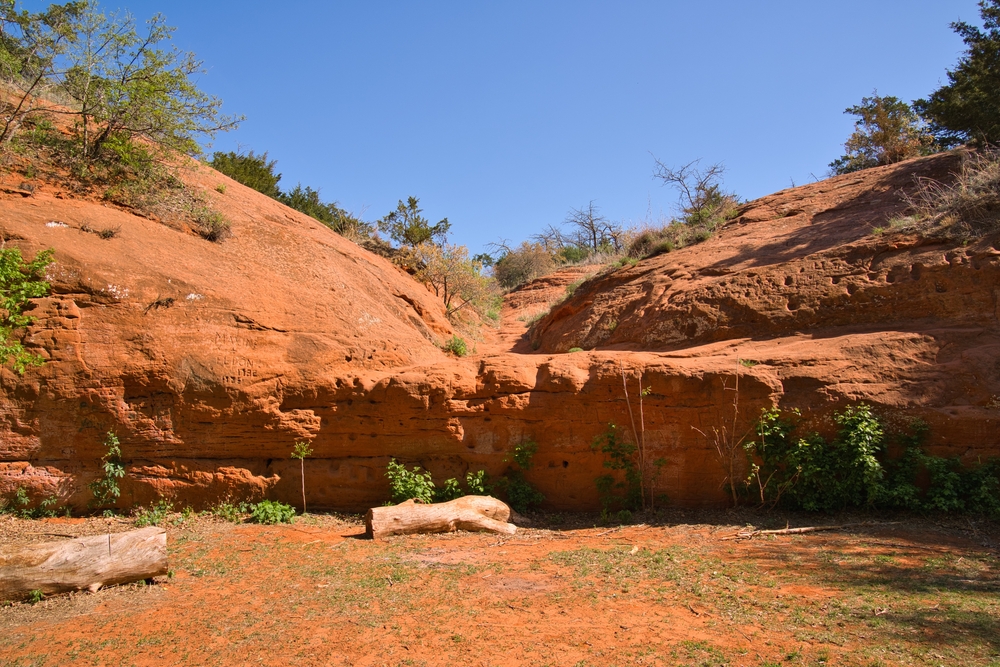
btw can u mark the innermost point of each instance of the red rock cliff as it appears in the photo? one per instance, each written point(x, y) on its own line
point(209, 360)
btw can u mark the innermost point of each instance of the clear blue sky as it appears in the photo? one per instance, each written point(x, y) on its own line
point(502, 116)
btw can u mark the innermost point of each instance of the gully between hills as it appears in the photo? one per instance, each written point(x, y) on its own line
point(209, 360)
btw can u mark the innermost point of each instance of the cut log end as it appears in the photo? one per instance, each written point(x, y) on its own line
point(473, 513)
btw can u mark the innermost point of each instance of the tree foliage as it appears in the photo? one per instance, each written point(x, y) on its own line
point(887, 131)
point(253, 171)
point(523, 264)
point(133, 83)
point(20, 281)
point(407, 227)
point(458, 280)
point(967, 108)
point(30, 44)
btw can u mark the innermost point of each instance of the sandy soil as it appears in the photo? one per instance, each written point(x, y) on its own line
point(673, 590)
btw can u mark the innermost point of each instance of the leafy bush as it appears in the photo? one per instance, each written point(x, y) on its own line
point(456, 346)
point(622, 491)
point(407, 227)
point(854, 470)
point(21, 506)
point(409, 484)
point(448, 491)
point(106, 490)
point(457, 279)
point(253, 171)
point(230, 511)
point(20, 281)
point(521, 494)
point(271, 512)
point(522, 265)
point(478, 483)
point(416, 485)
point(153, 515)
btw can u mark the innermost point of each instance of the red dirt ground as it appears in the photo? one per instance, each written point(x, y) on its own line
point(666, 593)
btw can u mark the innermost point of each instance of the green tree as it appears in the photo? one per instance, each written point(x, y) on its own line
point(306, 200)
point(253, 171)
point(131, 85)
point(967, 108)
point(407, 227)
point(20, 281)
point(887, 131)
point(30, 44)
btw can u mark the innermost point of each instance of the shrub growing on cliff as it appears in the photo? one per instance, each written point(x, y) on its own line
point(253, 171)
point(20, 281)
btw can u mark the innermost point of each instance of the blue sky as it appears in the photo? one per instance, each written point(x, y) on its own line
point(502, 116)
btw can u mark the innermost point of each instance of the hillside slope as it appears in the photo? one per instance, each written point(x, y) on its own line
point(287, 332)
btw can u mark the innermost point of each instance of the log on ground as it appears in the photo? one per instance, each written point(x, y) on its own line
point(82, 563)
point(476, 513)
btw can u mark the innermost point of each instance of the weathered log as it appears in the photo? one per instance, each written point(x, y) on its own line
point(82, 563)
point(477, 513)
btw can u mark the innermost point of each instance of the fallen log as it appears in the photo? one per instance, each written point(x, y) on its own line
point(750, 534)
point(82, 563)
point(476, 513)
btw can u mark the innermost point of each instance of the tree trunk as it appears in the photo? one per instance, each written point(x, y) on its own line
point(477, 513)
point(83, 563)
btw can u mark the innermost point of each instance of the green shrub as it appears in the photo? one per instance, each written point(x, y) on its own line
point(448, 491)
point(20, 281)
point(21, 506)
point(153, 515)
point(211, 225)
point(254, 171)
point(478, 483)
point(271, 512)
point(457, 346)
point(624, 489)
point(853, 470)
point(107, 489)
point(230, 511)
point(521, 494)
point(409, 484)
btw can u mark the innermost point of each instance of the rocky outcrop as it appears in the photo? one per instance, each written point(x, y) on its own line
point(209, 360)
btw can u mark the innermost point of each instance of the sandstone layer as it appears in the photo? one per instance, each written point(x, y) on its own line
point(210, 360)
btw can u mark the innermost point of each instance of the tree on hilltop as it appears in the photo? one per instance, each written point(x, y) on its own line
point(887, 131)
point(967, 109)
point(253, 171)
point(407, 227)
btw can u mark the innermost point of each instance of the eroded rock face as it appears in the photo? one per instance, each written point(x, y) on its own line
point(210, 360)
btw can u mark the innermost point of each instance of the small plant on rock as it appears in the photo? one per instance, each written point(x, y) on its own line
point(457, 346)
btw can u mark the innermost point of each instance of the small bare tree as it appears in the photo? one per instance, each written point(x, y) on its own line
point(728, 442)
point(593, 230)
point(701, 197)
